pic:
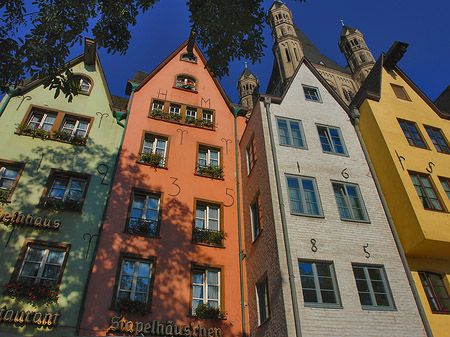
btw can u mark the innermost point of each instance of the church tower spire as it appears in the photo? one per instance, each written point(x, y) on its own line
point(358, 55)
point(287, 47)
point(248, 87)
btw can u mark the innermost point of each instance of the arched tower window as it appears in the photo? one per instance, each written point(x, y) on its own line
point(84, 84)
point(185, 82)
point(288, 57)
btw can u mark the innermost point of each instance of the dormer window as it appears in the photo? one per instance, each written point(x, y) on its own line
point(185, 82)
point(84, 85)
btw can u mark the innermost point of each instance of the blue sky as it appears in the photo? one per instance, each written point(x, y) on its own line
point(424, 25)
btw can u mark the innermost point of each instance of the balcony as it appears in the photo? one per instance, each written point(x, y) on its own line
point(177, 118)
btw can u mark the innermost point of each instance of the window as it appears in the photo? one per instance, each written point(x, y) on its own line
point(349, 202)
point(207, 227)
point(251, 157)
point(134, 280)
point(65, 190)
point(426, 191)
point(144, 214)
point(303, 196)
point(446, 185)
point(372, 286)
point(191, 113)
point(42, 120)
point(206, 288)
point(174, 109)
point(256, 216)
point(400, 92)
point(154, 149)
point(331, 140)
point(9, 176)
point(75, 127)
point(412, 134)
point(158, 106)
point(208, 162)
point(290, 133)
point(438, 139)
point(185, 82)
point(41, 263)
point(262, 292)
point(318, 283)
point(437, 294)
point(207, 117)
point(84, 85)
point(311, 94)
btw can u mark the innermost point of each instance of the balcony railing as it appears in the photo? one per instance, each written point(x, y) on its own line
point(173, 117)
point(144, 227)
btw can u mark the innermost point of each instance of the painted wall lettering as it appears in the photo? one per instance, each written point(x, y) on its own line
point(28, 317)
point(28, 220)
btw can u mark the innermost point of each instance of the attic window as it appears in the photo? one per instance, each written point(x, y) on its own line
point(189, 57)
point(185, 82)
point(84, 85)
point(400, 92)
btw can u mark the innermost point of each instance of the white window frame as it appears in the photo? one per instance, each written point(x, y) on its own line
point(368, 280)
point(154, 140)
point(289, 130)
point(330, 139)
point(318, 290)
point(207, 151)
point(183, 80)
point(302, 195)
point(146, 196)
point(206, 298)
point(262, 297)
point(207, 115)
point(132, 291)
point(38, 279)
point(73, 132)
point(84, 82)
point(207, 216)
point(157, 105)
point(43, 117)
point(309, 96)
point(175, 109)
point(191, 112)
point(343, 188)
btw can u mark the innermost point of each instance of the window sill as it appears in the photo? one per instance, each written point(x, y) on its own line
point(184, 89)
point(378, 308)
point(336, 153)
point(356, 220)
point(162, 118)
point(309, 215)
point(52, 209)
point(295, 147)
point(155, 166)
point(195, 316)
point(142, 235)
point(313, 100)
point(323, 306)
point(207, 244)
point(5, 202)
point(51, 139)
point(207, 176)
point(440, 312)
point(264, 322)
point(258, 235)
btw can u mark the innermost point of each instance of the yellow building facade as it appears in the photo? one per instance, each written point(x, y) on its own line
point(406, 137)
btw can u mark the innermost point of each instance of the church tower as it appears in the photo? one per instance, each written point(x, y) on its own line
point(287, 47)
point(248, 87)
point(358, 55)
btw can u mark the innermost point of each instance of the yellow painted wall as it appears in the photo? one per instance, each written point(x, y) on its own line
point(424, 234)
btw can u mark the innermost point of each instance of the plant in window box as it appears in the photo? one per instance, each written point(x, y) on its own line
point(61, 135)
point(211, 170)
point(208, 236)
point(37, 132)
point(174, 117)
point(157, 113)
point(62, 204)
point(190, 120)
point(154, 159)
point(133, 306)
point(204, 310)
point(207, 124)
point(34, 293)
point(4, 194)
point(80, 140)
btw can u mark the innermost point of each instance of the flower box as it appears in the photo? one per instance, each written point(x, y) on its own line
point(37, 293)
point(153, 159)
point(205, 311)
point(131, 306)
point(157, 113)
point(208, 236)
point(62, 204)
point(4, 194)
point(67, 137)
point(211, 171)
point(25, 129)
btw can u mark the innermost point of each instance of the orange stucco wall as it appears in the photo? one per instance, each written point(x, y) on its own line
point(179, 186)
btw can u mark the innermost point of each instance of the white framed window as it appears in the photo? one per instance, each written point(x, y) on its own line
point(262, 295)
point(208, 162)
point(75, 127)
point(373, 287)
point(290, 133)
point(319, 284)
point(43, 120)
point(349, 201)
point(134, 280)
point(331, 140)
point(191, 112)
point(207, 216)
point(185, 82)
point(9, 175)
point(207, 116)
point(311, 93)
point(42, 265)
point(144, 214)
point(303, 195)
point(206, 288)
point(154, 145)
point(158, 106)
point(85, 85)
point(174, 109)
point(256, 216)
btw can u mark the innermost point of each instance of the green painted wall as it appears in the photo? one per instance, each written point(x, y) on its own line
point(40, 156)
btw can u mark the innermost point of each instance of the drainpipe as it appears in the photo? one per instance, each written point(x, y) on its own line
point(99, 233)
point(287, 247)
point(11, 92)
point(241, 254)
point(354, 115)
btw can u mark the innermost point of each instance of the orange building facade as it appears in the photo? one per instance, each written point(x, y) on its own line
point(168, 257)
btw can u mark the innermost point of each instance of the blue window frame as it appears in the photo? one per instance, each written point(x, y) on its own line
point(331, 139)
point(303, 196)
point(290, 133)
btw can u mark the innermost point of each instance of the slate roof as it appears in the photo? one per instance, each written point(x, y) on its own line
point(443, 101)
point(246, 73)
point(119, 103)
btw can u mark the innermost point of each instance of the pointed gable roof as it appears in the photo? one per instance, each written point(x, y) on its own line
point(443, 101)
point(141, 78)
